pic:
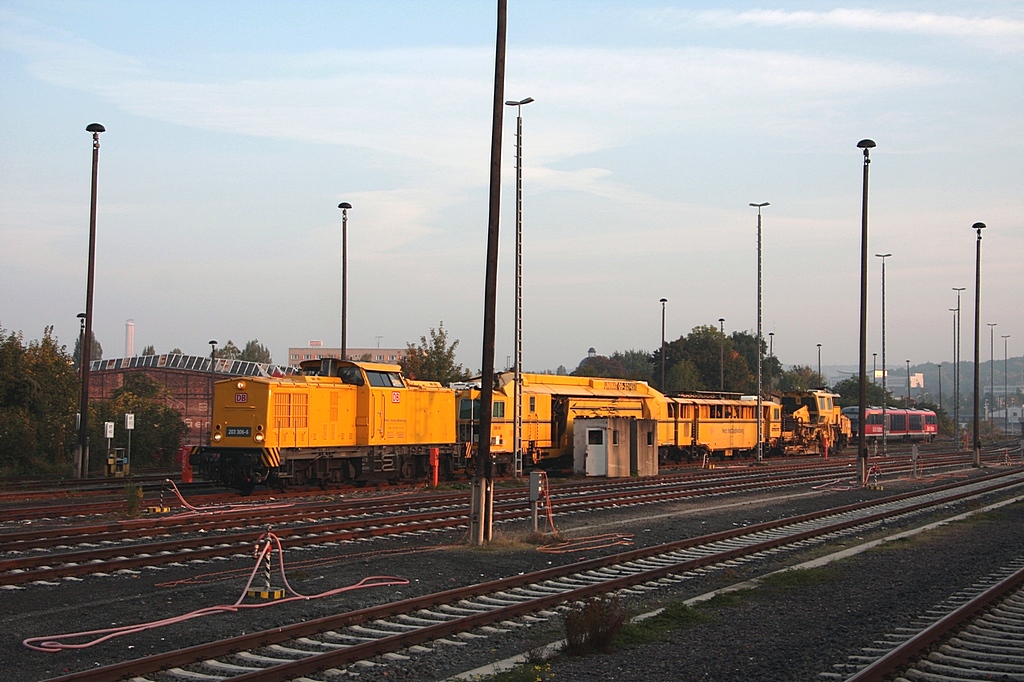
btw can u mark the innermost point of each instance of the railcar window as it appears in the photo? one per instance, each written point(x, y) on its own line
point(468, 409)
point(875, 418)
point(595, 437)
point(671, 410)
point(615, 437)
point(533, 403)
point(915, 422)
point(351, 375)
point(897, 422)
point(930, 419)
point(498, 410)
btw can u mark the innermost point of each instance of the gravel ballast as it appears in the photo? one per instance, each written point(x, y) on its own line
point(772, 633)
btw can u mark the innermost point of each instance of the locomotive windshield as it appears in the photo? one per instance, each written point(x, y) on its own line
point(387, 379)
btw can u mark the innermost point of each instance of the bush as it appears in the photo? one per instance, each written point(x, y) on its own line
point(590, 626)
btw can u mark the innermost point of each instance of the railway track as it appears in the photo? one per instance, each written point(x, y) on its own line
point(977, 634)
point(46, 555)
point(341, 644)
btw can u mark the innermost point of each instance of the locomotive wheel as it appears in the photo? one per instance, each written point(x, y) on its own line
point(246, 488)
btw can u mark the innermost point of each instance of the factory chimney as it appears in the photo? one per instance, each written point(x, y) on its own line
point(129, 339)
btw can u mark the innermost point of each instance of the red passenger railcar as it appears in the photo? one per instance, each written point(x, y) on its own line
point(907, 425)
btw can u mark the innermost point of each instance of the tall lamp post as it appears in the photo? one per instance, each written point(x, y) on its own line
point(956, 374)
point(760, 417)
point(862, 401)
point(977, 334)
point(1006, 400)
point(874, 368)
point(885, 373)
point(940, 386)
point(721, 356)
point(517, 405)
point(820, 376)
point(771, 361)
point(991, 368)
point(81, 340)
point(908, 385)
point(213, 363)
point(82, 454)
point(663, 302)
point(344, 206)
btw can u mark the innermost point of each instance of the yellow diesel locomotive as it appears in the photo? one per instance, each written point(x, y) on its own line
point(337, 422)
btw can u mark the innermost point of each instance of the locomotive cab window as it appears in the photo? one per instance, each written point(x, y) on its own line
point(386, 379)
point(469, 409)
point(498, 410)
point(351, 375)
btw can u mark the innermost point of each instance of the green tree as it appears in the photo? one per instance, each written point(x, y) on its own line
point(149, 350)
point(229, 351)
point(637, 364)
point(159, 428)
point(433, 360)
point(177, 351)
point(254, 351)
point(95, 352)
point(600, 366)
point(800, 378)
point(683, 377)
point(39, 392)
point(849, 393)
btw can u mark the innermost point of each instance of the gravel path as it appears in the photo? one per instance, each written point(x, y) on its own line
point(773, 634)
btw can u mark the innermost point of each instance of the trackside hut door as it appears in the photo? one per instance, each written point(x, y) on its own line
point(590, 446)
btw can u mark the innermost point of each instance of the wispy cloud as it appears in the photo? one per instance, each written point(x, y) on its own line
point(925, 23)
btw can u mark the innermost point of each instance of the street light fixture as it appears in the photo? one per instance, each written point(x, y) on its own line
point(82, 453)
point(822, 378)
point(956, 377)
point(663, 302)
point(81, 340)
point(991, 368)
point(213, 354)
point(760, 417)
point(885, 373)
point(862, 402)
point(517, 407)
point(344, 206)
point(721, 356)
point(908, 385)
point(1006, 400)
point(977, 333)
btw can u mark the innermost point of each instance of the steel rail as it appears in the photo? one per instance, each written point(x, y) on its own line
point(907, 652)
point(23, 570)
point(320, 661)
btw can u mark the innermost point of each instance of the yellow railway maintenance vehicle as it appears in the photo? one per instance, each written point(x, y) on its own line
point(688, 426)
point(812, 423)
point(337, 422)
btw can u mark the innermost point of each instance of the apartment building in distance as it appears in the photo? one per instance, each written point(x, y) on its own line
point(316, 350)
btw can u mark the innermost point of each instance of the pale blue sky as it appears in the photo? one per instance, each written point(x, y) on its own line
point(235, 128)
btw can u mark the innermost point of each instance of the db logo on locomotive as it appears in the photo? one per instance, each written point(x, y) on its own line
point(396, 397)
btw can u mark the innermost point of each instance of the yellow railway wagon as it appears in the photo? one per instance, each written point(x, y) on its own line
point(688, 426)
point(339, 421)
point(551, 403)
point(698, 425)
